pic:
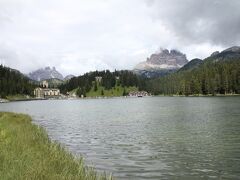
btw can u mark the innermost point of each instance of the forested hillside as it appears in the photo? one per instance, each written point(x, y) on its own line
point(13, 82)
point(217, 75)
point(87, 82)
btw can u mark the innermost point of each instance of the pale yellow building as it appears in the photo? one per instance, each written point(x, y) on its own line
point(38, 92)
point(45, 92)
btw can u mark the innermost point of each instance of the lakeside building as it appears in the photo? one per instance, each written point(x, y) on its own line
point(45, 92)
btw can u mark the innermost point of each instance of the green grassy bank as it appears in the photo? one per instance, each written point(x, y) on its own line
point(116, 91)
point(26, 152)
point(18, 97)
point(113, 92)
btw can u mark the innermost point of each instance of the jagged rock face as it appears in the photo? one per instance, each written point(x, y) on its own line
point(164, 60)
point(172, 58)
point(161, 63)
point(45, 73)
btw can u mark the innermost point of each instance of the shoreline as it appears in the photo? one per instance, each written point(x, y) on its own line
point(114, 97)
point(200, 95)
point(28, 153)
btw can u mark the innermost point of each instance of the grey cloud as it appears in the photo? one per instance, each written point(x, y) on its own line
point(213, 21)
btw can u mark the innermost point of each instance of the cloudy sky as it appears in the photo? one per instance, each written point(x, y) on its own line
point(77, 36)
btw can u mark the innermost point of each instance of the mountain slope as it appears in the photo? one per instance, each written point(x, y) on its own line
point(68, 77)
point(91, 83)
point(161, 63)
point(13, 82)
point(217, 74)
point(194, 63)
point(229, 54)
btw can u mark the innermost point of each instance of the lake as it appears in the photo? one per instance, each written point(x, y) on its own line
point(146, 138)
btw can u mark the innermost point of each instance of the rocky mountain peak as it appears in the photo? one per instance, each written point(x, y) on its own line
point(172, 58)
point(45, 73)
point(161, 63)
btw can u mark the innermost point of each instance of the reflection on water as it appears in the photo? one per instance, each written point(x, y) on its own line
point(146, 138)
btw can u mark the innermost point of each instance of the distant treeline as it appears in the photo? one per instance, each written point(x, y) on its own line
point(109, 80)
point(13, 82)
point(212, 77)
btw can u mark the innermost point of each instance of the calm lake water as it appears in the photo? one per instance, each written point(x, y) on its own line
point(146, 138)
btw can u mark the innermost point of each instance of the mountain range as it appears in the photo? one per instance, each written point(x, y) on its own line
point(158, 64)
point(166, 62)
